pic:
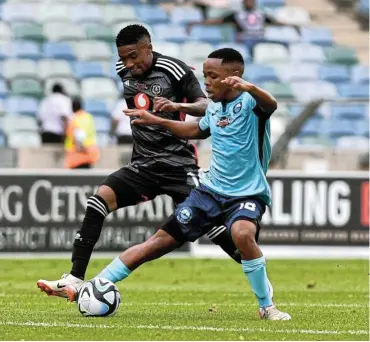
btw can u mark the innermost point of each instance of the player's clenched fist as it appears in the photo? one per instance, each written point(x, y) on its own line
point(238, 83)
point(142, 117)
point(163, 104)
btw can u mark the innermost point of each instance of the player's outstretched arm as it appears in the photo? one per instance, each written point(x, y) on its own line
point(188, 130)
point(197, 108)
point(265, 100)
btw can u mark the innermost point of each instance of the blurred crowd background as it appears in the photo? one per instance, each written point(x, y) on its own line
point(57, 60)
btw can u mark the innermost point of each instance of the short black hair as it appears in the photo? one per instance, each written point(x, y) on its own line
point(76, 104)
point(131, 34)
point(57, 88)
point(228, 55)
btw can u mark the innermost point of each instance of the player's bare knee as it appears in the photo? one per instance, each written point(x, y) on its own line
point(243, 232)
point(108, 195)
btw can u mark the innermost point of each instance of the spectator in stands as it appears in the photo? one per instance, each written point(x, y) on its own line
point(81, 150)
point(120, 125)
point(53, 115)
point(249, 21)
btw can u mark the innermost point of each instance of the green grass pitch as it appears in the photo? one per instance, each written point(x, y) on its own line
point(190, 299)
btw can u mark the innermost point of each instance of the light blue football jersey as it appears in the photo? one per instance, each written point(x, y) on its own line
point(241, 149)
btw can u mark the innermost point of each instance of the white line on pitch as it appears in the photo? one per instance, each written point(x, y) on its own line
point(193, 328)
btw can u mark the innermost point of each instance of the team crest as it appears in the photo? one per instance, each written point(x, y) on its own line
point(185, 214)
point(237, 108)
point(156, 89)
point(223, 122)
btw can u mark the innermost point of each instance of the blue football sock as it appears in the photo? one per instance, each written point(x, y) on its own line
point(255, 270)
point(115, 271)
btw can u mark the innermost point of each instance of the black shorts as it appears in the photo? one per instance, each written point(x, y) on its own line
point(135, 184)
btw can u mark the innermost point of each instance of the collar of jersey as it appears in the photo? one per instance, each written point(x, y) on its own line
point(229, 104)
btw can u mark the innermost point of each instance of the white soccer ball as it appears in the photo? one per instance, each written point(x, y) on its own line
point(98, 297)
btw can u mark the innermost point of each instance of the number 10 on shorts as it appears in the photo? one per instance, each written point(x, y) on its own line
point(248, 205)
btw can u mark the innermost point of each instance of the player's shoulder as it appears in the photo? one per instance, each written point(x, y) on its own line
point(248, 101)
point(177, 68)
point(213, 107)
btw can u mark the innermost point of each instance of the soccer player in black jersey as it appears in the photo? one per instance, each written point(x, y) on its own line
point(161, 163)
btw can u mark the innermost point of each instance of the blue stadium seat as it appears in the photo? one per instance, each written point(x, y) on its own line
point(4, 51)
point(209, 34)
point(18, 12)
point(283, 34)
point(185, 14)
point(25, 49)
point(86, 13)
point(21, 105)
point(271, 3)
point(88, 69)
point(317, 35)
point(296, 72)
point(313, 127)
point(3, 89)
point(334, 73)
point(360, 74)
point(102, 124)
point(356, 111)
point(97, 108)
point(353, 90)
point(309, 53)
point(170, 32)
point(340, 128)
point(260, 73)
point(151, 14)
point(296, 109)
point(58, 51)
point(308, 91)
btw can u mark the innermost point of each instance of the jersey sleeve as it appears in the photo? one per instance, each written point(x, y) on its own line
point(204, 122)
point(190, 87)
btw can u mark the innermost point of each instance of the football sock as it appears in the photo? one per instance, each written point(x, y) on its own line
point(88, 235)
point(255, 270)
point(115, 271)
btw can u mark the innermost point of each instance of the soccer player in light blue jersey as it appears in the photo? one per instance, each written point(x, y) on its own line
point(234, 190)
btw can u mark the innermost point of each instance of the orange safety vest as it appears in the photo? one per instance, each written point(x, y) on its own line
point(84, 122)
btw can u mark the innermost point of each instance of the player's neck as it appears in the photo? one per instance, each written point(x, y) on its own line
point(232, 96)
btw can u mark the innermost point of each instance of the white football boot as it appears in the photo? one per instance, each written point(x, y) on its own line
point(55, 288)
point(272, 314)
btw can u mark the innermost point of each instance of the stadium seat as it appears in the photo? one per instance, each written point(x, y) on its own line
point(93, 50)
point(3, 89)
point(86, 13)
point(168, 48)
point(308, 53)
point(18, 12)
point(28, 31)
point(26, 87)
point(24, 139)
point(360, 74)
point(56, 12)
point(209, 34)
point(53, 68)
point(355, 111)
point(57, 31)
point(58, 50)
point(195, 51)
point(271, 3)
point(22, 105)
point(70, 85)
point(151, 14)
point(341, 55)
point(16, 123)
point(334, 73)
point(118, 13)
point(292, 15)
point(353, 143)
point(25, 49)
point(170, 32)
point(102, 124)
point(97, 108)
point(88, 69)
point(353, 91)
point(317, 35)
point(100, 32)
point(279, 90)
point(256, 73)
point(268, 53)
point(98, 88)
point(297, 108)
point(297, 72)
point(5, 31)
point(215, 12)
point(309, 91)
point(237, 46)
point(283, 34)
point(185, 14)
point(313, 127)
point(2, 139)
point(315, 141)
point(13, 68)
point(340, 128)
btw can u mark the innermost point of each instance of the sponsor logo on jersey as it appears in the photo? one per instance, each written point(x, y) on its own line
point(223, 122)
point(185, 214)
point(156, 89)
point(142, 101)
point(141, 86)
